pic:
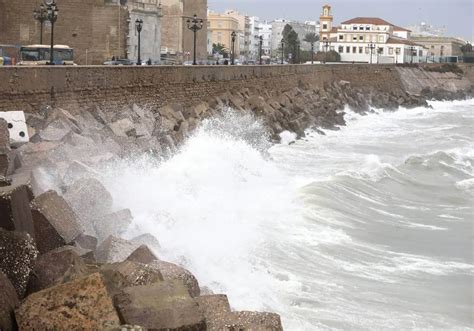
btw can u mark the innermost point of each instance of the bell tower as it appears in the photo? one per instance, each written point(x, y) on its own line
point(325, 21)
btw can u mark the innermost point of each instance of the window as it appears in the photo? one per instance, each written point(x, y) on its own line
point(341, 37)
point(354, 27)
point(348, 49)
point(420, 53)
point(354, 49)
point(325, 26)
point(380, 39)
point(354, 38)
point(361, 38)
point(390, 50)
point(361, 50)
point(361, 28)
point(380, 50)
point(367, 28)
point(341, 49)
point(398, 50)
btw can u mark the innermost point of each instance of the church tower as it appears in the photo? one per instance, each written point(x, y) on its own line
point(325, 21)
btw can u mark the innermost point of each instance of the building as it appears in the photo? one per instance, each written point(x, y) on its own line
point(97, 29)
point(221, 27)
point(243, 32)
point(265, 30)
point(424, 29)
point(368, 40)
point(177, 43)
point(439, 47)
point(302, 29)
point(254, 40)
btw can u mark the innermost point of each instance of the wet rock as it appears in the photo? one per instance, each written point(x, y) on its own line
point(82, 304)
point(55, 222)
point(136, 273)
point(15, 211)
point(55, 131)
point(113, 224)
point(5, 158)
point(114, 249)
point(86, 242)
point(56, 267)
point(172, 271)
point(246, 320)
point(90, 200)
point(160, 306)
point(77, 170)
point(142, 255)
point(123, 128)
point(172, 112)
point(147, 239)
point(18, 253)
point(8, 302)
point(216, 310)
point(200, 109)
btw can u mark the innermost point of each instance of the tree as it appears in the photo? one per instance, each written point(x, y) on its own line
point(290, 38)
point(467, 48)
point(311, 38)
point(331, 56)
point(220, 49)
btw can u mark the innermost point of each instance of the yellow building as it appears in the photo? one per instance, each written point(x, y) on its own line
point(221, 27)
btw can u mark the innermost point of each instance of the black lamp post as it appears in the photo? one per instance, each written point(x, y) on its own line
point(312, 52)
point(371, 47)
point(41, 16)
point(260, 49)
point(52, 16)
point(326, 46)
point(195, 25)
point(298, 45)
point(282, 50)
point(233, 35)
point(412, 50)
point(139, 27)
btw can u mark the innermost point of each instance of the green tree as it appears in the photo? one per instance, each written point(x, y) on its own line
point(291, 41)
point(467, 48)
point(220, 49)
point(331, 56)
point(311, 38)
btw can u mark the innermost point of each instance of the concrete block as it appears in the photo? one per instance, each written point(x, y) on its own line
point(17, 127)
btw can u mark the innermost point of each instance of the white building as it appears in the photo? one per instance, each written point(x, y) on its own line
point(254, 39)
point(368, 40)
point(302, 29)
point(266, 32)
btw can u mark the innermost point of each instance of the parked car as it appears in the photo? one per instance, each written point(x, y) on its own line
point(119, 62)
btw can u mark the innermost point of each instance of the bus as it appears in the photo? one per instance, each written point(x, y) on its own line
point(33, 55)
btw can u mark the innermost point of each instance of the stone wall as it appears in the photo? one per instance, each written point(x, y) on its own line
point(30, 88)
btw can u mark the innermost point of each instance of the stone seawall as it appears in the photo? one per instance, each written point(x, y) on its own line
point(30, 88)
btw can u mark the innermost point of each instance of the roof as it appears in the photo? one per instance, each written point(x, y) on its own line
point(393, 40)
point(398, 28)
point(367, 20)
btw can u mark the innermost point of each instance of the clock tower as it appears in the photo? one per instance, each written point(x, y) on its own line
point(325, 21)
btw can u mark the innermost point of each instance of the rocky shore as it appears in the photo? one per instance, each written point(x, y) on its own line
point(65, 263)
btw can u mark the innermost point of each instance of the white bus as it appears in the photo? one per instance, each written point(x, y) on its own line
point(33, 55)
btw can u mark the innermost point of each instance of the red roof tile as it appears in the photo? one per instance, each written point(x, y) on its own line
point(367, 20)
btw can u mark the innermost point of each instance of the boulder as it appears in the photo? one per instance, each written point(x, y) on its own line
point(247, 320)
point(136, 273)
point(8, 302)
point(160, 306)
point(147, 239)
point(123, 128)
point(86, 242)
point(77, 170)
point(90, 200)
point(18, 254)
point(142, 255)
point(172, 271)
point(55, 131)
point(16, 124)
point(82, 304)
point(56, 267)
point(55, 222)
point(114, 249)
point(5, 158)
point(114, 224)
point(216, 310)
point(15, 214)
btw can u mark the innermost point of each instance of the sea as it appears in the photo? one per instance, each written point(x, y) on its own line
point(367, 227)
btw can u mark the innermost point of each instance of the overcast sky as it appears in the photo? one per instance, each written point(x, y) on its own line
point(457, 15)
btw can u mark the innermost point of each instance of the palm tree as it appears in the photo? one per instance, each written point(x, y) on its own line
point(311, 38)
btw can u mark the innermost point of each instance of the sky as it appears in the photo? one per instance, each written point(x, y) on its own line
point(457, 15)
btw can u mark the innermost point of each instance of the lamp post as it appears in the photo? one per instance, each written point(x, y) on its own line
point(326, 46)
point(195, 24)
point(298, 49)
point(379, 51)
point(371, 47)
point(52, 16)
point(260, 49)
point(282, 50)
point(412, 50)
point(139, 27)
point(41, 16)
point(312, 52)
point(233, 35)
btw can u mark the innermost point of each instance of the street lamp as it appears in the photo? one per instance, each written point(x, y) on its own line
point(52, 16)
point(412, 50)
point(139, 27)
point(371, 47)
point(326, 46)
point(260, 49)
point(282, 50)
point(298, 51)
point(312, 52)
point(233, 35)
point(41, 16)
point(195, 25)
